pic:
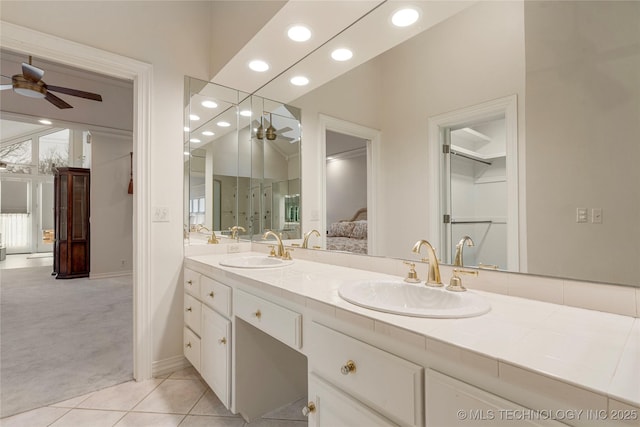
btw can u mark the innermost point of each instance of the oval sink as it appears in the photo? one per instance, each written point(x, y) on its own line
point(413, 300)
point(254, 261)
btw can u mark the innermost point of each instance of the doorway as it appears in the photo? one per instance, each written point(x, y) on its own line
point(351, 145)
point(474, 170)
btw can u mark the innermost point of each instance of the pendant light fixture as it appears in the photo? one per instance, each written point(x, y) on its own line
point(271, 131)
point(260, 130)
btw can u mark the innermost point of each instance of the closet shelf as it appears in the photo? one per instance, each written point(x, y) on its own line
point(473, 155)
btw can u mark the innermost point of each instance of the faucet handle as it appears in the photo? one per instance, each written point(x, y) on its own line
point(273, 251)
point(287, 254)
point(455, 284)
point(412, 275)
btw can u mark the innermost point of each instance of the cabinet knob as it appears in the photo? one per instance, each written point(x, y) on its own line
point(211, 294)
point(222, 340)
point(188, 345)
point(258, 314)
point(188, 309)
point(311, 407)
point(348, 368)
point(190, 282)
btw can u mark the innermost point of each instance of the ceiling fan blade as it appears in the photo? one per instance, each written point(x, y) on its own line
point(285, 130)
point(32, 73)
point(75, 92)
point(56, 101)
point(5, 87)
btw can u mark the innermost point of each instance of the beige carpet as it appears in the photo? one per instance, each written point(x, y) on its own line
point(61, 338)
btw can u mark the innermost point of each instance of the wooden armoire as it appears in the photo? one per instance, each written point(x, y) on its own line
point(71, 222)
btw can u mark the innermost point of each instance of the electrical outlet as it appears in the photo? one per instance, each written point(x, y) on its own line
point(581, 214)
point(160, 214)
point(596, 216)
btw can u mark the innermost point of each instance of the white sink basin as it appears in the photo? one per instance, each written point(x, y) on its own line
point(254, 261)
point(415, 300)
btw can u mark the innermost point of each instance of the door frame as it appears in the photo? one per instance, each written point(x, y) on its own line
point(507, 106)
point(31, 42)
point(373, 137)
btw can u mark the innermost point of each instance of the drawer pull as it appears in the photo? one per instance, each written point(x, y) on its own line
point(222, 340)
point(188, 309)
point(188, 345)
point(348, 368)
point(258, 314)
point(311, 407)
point(211, 294)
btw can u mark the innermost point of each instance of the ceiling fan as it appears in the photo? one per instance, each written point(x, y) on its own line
point(271, 132)
point(30, 84)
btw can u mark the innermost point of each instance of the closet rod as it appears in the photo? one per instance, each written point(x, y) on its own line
point(472, 222)
point(470, 158)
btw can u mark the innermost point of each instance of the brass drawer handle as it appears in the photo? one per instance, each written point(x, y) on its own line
point(258, 314)
point(211, 294)
point(311, 407)
point(188, 345)
point(222, 340)
point(188, 309)
point(348, 368)
point(189, 282)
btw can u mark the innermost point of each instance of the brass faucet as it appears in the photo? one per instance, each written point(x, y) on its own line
point(458, 260)
point(212, 238)
point(281, 252)
point(434, 268)
point(234, 231)
point(308, 234)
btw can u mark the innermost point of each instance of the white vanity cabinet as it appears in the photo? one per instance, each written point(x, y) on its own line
point(450, 403)
point(207, 331)
point(379, 381)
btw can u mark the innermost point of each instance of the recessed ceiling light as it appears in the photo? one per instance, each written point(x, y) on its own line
point(342, 54)
point(224, 124)
point(195, 140)
point(194, 117)
point(209, 104)
point(208, 133)
point(45, 121)
point(405, 17)
point(245, 113)
point(186, 153)
point(186, 129)
point(299, 81)
point(299, 33)
point(258, 65)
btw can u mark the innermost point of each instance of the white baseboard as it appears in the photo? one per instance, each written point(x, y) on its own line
point(167, 366)
point(109, 275)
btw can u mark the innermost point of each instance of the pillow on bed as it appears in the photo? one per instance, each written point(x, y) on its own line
point(359, 230)
point(340, 229)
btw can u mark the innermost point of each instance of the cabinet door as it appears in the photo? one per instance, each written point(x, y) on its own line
point(451, 402)
point(215, 360)
point(336, 408)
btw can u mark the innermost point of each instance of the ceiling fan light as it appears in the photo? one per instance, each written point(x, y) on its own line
point(208, 133)
point(224, 124)
point(209, 104)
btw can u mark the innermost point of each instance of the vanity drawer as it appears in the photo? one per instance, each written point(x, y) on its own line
point(192, 310)
point(192, 282)
point(391, 385)
point(215, 295)
point(192, 348)
point(277, 321)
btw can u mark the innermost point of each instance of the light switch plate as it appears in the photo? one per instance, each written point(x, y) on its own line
point(596, 216)
point(581, 215)
point(160, 214)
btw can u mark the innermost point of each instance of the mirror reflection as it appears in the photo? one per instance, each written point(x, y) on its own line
point(573, 69)
point(242, 165)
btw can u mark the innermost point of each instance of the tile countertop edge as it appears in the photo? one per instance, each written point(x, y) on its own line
point(211, 262)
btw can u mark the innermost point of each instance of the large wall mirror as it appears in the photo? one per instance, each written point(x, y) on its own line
point(573, 69)
point(242, 164)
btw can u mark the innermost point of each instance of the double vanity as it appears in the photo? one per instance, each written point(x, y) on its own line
point(364, 347)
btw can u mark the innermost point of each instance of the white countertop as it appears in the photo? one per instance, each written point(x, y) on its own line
point(590, 349)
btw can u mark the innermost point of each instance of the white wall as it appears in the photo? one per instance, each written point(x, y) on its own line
point(175, 38)
point(346, 187)
point(583, 86)
point(488, 37)
point(111, 205)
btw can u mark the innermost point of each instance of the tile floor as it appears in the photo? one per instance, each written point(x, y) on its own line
point(181, 399)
